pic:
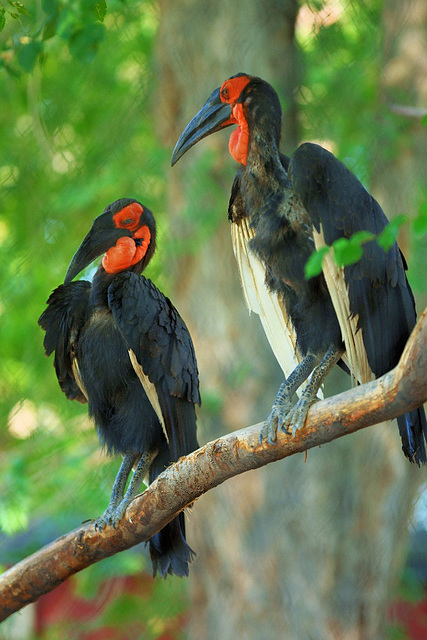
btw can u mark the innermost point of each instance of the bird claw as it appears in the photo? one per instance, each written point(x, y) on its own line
point(290, 419)
point(297, 415)
point(271, 425)
point(103, 521)
point(294, 420)
point(111, 516)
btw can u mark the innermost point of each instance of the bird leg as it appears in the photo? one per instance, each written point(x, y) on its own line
point(283, 414)
point(283, 402)
point(297, 415)
point(120, 500)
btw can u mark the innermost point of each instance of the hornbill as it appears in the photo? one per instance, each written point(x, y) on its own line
point(281, 210)
point(121, 346)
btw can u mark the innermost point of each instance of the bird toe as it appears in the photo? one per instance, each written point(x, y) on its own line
point(299, 414)
point(269, 429)
point(278, 418)
point(111, 516)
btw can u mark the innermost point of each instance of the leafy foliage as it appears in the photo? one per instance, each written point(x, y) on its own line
point(341, 108)
point(346, 251)
point(420, 223)
point(388, 236)
point(79, 23)
point(75, 95)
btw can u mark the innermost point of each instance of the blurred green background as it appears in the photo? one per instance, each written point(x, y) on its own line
point(82, 123)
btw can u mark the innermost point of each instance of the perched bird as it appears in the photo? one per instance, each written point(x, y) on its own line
point(281, 210)
point(121, 346)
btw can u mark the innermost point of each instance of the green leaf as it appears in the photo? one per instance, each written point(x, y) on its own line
point(50, 28)
point(313, 266)
point(20, 7)
point(66, 22)
point(419, 225)
point(360, 237)
point(388, 236)
point(2, 19)
point(85, 42)
point(28, 54)
point(424, 121)
point(101, 10)
point(346, 252)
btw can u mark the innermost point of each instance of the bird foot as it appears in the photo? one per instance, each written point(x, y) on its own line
point(278, 414)
point(297, 415)
point(112, 515)
point(286, 417)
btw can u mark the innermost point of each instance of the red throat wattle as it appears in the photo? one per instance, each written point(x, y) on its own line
point(239, 140)
point(230, 92)
point(126, 252)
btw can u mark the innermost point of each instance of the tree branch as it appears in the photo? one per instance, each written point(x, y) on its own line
point(402, 389)
point(407, 111)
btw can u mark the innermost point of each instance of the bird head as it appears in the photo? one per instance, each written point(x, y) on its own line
point(243, 100)
point(125, 232)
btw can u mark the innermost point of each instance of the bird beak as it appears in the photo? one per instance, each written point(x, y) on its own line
point(100, 238)
point(213, 116)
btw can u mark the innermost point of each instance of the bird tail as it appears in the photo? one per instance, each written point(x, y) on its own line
point(169, 551)
point(413, 431)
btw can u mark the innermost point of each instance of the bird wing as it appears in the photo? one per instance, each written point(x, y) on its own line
point(355, 356)
point(162, 354)
point(149, 388)
point(372, 298)
point(259, 299)
point(62, 321)
point(266, 304)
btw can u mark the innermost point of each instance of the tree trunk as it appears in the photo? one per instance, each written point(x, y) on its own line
point(298, 549)
point(401, 159)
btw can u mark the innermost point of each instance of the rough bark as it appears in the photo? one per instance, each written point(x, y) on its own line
point(212, 41)
point(398, 391)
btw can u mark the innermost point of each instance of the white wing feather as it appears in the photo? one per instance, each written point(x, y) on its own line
point(355, 357)
point(276, 324)
point(78, 378)
point(149, 389)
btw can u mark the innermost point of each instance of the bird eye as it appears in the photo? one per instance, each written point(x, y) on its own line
point(232, 88)
point(128, 217)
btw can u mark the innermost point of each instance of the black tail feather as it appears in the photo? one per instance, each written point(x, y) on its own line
point(413, 431)
point(169, 552)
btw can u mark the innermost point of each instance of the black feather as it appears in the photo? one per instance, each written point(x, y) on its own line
point(63, 320)
point(284, 200)
point(97, 324)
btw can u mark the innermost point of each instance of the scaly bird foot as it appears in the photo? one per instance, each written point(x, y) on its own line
point(112, 515)
point(296, 417)
point(278, 414)
point(286, 417)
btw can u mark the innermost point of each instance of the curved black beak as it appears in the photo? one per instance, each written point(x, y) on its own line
point(213, 116)
point(100, 238)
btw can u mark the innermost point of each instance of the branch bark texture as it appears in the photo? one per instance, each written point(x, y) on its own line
point(402, 389)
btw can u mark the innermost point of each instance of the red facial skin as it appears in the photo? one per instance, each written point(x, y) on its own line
point(239, 139)
point(128, 217)
point(126, 252)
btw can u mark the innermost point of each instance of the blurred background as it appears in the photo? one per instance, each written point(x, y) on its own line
point(93, 96)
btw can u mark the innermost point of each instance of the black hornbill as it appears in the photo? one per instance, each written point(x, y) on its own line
point(281, 210)
point(121, 346)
